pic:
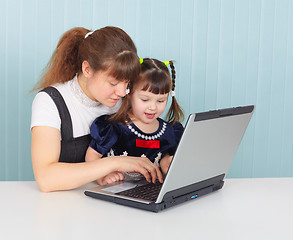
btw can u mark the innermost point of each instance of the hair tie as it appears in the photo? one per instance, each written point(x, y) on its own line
point(89, 33)
point(141, 60)
point(173, 93)
point(166, 63)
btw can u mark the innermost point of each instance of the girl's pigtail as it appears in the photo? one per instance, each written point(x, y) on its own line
point(175, 113)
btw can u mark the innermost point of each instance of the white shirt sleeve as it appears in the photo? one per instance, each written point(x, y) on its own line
point(45, 112)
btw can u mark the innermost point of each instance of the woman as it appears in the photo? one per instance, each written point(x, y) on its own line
point(89, 72)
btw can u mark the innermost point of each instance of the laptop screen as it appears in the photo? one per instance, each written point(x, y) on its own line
point(207, 147)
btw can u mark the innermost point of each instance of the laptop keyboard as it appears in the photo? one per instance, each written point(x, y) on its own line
point(148, 192)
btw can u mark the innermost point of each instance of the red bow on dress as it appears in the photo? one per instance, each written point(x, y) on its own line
point(147, 143)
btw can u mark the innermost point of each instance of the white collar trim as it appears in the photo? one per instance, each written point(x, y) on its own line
point(80, 95)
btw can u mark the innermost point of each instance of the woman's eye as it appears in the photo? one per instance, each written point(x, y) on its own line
point(144, 100)
point(113, 83)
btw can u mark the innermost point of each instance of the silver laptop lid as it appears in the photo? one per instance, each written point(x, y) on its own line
point(207, 147)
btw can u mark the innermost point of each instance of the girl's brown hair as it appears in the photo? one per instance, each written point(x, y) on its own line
point(155, 77)
point(109, 49)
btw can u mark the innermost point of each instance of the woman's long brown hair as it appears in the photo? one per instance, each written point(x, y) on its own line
point(109, 48)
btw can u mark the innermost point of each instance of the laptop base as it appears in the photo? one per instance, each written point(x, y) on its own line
point(170, 199)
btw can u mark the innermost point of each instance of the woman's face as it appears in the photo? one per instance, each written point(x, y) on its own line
point(105, 89)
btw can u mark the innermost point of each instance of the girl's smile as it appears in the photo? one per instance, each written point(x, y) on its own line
point(150, 115)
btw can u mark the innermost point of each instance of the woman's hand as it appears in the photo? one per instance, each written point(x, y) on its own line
point(111, 178)
point(139, 164)
point(165, 163)
point(125, 164)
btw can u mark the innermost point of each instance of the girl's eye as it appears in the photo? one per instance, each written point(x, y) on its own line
point(144, 100)
point(161, 101)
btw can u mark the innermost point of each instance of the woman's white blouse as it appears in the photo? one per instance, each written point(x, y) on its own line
point(83, 110)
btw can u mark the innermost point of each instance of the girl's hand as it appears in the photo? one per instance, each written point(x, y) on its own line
point(165, 163)
point(110, 178)
point(139, 164)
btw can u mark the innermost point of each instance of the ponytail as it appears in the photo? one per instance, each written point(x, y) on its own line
point(64, 63)
point(175, 113)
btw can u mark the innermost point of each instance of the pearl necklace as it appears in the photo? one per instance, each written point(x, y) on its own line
point(148, 137)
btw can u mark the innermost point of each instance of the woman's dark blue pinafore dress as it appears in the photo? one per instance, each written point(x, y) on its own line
point(72, 149)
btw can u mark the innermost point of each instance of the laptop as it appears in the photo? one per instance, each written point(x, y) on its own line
point(202, 160)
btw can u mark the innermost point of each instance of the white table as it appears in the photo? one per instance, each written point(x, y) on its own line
point(243, 209)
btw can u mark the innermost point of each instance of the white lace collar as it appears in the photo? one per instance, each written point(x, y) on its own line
point(80, 95)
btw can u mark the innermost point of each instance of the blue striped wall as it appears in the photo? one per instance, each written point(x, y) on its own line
point(227, 52)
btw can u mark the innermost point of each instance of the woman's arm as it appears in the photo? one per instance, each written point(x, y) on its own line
point(52, 175)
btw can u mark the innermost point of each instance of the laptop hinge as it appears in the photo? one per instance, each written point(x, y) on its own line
point(211, 182)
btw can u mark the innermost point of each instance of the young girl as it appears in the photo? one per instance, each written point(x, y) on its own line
point(136, 129)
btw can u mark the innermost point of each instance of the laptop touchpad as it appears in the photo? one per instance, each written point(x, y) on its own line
point(120, 187)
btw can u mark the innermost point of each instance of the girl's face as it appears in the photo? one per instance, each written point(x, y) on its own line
point(105, 89)
point(147, 106)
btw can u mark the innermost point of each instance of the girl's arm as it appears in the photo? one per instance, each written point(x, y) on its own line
point(165, 163)
point(52, 175)
point(92, 155)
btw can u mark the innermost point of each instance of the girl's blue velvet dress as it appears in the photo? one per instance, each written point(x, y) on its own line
point(114, 139)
